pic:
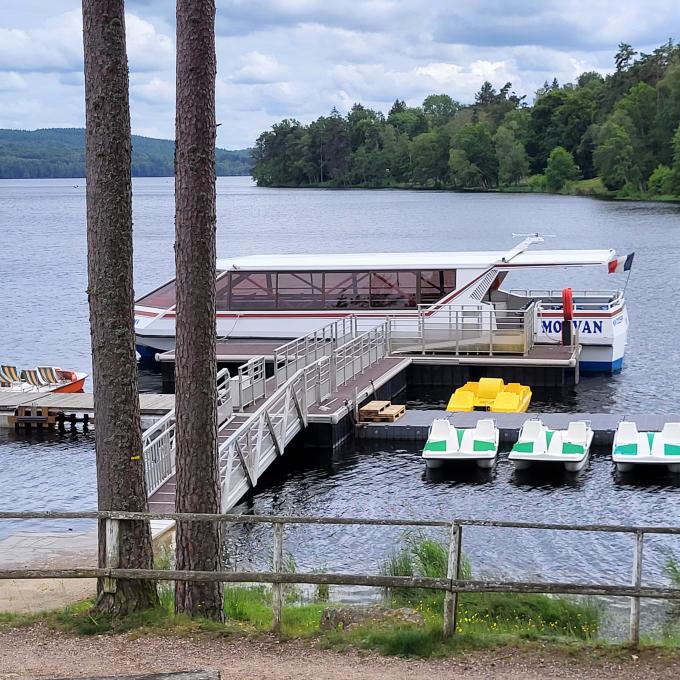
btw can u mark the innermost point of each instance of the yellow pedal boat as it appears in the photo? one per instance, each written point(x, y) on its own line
point(490, 394)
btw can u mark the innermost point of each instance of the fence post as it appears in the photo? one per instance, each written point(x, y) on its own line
point(637, 582)
point(277, 588)
point(112, 554)
point(452, 573)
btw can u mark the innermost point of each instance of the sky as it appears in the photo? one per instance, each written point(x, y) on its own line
point(299, 58)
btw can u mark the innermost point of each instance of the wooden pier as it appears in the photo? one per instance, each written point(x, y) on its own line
point(78, 404)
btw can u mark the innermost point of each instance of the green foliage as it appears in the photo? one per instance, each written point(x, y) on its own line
point(60, 152)
point(660, 182)
point(614, 155)
point(621, 127)
point(513, 162)
point(476, 141)
point(422, 555)
point(439, 109)
point(561, 169)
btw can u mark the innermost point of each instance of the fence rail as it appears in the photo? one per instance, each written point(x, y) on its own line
point(452, 585)
point(251, 382)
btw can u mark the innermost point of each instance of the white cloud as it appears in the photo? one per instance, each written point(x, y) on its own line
point(11, 82)
point(258, 68)
point(299, 58)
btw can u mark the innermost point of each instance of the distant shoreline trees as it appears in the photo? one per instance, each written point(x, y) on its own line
point(60, 153)
point(619, 133)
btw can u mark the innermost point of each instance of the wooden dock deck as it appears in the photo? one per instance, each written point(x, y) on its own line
point(82, 402)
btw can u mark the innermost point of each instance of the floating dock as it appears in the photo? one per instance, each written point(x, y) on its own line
point(414, 425)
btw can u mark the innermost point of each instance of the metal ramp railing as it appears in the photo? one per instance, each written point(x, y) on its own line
point(158, 441)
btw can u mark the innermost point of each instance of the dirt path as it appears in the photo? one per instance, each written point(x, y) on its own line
point(40, 653)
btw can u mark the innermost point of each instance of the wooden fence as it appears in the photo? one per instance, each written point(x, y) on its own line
point(452, 585)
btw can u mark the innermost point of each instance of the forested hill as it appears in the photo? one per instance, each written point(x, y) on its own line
point(60, 152)
point(617, 135)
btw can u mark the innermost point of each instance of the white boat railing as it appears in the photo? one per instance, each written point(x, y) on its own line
point(465, 330)
point(158, 452)
point(355, 356)
point(298, 353)
point(251, 381)
point(262, 438)
point(590, 300)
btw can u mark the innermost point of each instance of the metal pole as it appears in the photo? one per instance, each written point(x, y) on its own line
point(277, 588)
point(637, 582)
point(452, 573)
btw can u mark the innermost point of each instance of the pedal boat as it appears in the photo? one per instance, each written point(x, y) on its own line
point(491, 394)
point(536, 443)
point(42, 379)
point(633, 448)
point(448, 443)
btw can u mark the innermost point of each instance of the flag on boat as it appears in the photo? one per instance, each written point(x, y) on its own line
point(621, 264)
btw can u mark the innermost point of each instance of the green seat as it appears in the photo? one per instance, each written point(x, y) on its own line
point(480, 445)
point(435, 446)
point(523, 447)
point(626, 450)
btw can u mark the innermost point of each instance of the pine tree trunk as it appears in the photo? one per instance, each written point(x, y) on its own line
point(121, 483)
point(198, 543)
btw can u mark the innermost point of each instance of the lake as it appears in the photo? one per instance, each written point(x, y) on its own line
point(45, 320)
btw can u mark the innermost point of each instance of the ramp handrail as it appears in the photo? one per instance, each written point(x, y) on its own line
point(309, 348)
point(158, 452)
point(355, 356)
point(257, 442)
point(251, 382)
point(158, 441)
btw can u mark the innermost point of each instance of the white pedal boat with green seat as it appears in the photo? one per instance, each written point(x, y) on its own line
point(632, 447)
point(448, 443)
point(538, 444)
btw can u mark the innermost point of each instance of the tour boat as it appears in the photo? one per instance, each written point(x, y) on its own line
point(632, 447)
point(490, 394)
point(281, 297)
point(41, 379)
point(538, 444)
point(448, 443)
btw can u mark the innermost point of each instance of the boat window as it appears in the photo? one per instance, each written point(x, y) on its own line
point(300, 290)
point(252, 290)
point(162, 298)
point(434, 285)
point(397, 290)
point(350, 290)
point(222, 292)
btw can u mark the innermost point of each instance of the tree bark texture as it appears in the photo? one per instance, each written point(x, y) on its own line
point(198, 489)
point(121, 483)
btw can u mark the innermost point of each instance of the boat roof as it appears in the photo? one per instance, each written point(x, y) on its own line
point(417, 260)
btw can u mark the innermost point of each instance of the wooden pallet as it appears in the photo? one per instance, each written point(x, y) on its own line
point(372, 409)
point(387, 414)
point(33, 416)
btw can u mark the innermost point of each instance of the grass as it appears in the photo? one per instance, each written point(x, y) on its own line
point(528, 616)
point(484, 620)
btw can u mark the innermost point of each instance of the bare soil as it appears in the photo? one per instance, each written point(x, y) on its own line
point(41, 653)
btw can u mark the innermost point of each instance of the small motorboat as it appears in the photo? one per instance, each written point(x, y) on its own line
point(491, 394)
point(536, 443)
point(632, 447)
point(446, 443)
point(40, 379)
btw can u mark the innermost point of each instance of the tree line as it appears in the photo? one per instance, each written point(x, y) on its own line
point(60, 152)
point(620, 132)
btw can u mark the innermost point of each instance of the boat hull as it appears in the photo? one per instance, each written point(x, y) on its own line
point(77, 385)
